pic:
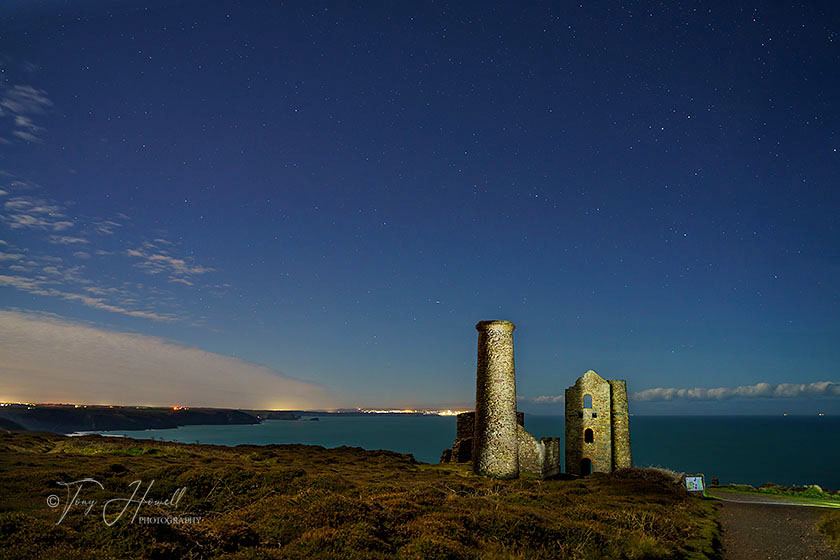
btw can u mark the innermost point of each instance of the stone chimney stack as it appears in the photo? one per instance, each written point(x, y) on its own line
point(495, 450)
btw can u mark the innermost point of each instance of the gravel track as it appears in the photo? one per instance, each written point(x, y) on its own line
point(763, 530)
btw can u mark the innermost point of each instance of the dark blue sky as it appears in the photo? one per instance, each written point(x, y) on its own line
point(339, 193)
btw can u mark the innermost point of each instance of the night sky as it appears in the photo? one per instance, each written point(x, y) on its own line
point(311, 205)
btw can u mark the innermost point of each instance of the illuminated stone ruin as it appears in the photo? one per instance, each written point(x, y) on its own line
point(495, 451)
point(493, 437)
point(597, 425)
point(538, 457)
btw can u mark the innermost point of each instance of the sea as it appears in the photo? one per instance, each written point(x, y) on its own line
point(786, 450)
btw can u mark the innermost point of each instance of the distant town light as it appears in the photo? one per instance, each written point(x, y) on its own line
point(424, 411)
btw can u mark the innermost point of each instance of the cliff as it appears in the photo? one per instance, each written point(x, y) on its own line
point(69, 419)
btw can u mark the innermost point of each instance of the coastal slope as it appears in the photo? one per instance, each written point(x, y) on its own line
point(296, 501)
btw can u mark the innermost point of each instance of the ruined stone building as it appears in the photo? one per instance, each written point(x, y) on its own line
point(543, 460)
point(597, 425)
point(461, 451)
point(493, 437)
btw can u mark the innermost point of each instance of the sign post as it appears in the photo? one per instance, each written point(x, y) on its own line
point(695, 484)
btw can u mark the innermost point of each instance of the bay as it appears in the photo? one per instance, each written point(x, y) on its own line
point(787, 450)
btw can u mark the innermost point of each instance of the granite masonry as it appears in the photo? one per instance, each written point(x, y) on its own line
point(597, 425)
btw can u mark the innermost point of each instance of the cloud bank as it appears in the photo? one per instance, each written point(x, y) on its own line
point(44, 359)
point(545, 399)
point(757, 391)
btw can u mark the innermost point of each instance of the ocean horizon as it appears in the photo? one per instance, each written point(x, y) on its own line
point(786, 450)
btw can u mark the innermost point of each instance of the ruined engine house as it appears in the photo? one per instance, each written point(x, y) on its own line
point(597, 425)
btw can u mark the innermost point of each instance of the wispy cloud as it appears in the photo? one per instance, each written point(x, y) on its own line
point(52, 276)
point(156, 259)
point(21, 103)
point(183, 281)
point(41, 286)
point(65, 239)
point(757, 391)
point(25, 100)
point(91, 365)
point(11, 256)
point(29, 212)
point(107, 227)
point(77, 275)
point(26, 129)
point(543, 399)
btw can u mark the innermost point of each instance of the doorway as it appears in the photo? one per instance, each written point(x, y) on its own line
point(585, 467)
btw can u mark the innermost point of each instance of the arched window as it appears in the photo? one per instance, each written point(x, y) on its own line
point(587, 401)
point(588, 435)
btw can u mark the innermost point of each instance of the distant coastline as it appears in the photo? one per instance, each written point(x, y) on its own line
point(72, 419)
point(68, 419)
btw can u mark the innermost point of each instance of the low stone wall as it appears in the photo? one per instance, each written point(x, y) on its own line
point(466, 425)
point(540, 457)
point(551, 462)
point(461, 451)
point(531, 452)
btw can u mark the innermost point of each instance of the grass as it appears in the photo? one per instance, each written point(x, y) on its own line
point(806, 495)
point(295, 501)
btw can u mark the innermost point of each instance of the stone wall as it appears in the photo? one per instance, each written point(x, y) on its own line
point(461, 451)
point(465, 424)
point(537, 457)
point(531, 452)
point(551, 462)
point(620, 425)
point(540, 457)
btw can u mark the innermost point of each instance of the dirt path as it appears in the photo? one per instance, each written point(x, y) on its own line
point(762, 530)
